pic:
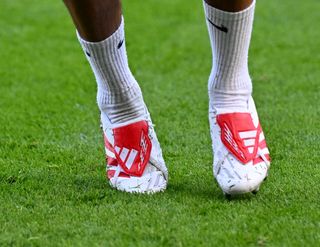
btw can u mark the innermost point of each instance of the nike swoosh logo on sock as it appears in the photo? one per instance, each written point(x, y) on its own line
point(120, 43)
point(221, 28)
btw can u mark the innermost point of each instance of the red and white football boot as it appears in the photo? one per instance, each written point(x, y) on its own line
point(134, 157)
point(241, 157)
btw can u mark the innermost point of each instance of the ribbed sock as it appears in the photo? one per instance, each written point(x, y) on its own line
point(119, 96)
point(229, 84)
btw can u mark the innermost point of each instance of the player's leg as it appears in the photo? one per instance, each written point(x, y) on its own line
point(241, 157)
point(230, 5)
point(95, 19)
point(135, 162)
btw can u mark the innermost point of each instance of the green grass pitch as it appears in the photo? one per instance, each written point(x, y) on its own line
point(53, 190)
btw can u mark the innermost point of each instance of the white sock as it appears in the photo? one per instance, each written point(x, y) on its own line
point(230, 33)
point(119, 95)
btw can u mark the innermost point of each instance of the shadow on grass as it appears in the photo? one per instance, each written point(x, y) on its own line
point(209, 191)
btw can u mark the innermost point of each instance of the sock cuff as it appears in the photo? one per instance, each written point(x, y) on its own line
point(113, 42)
point(212, 12)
